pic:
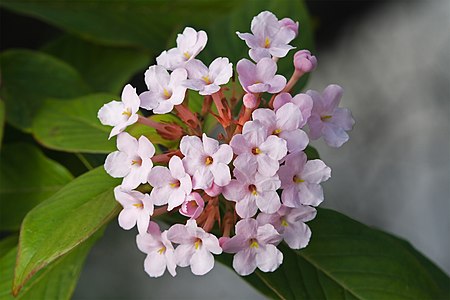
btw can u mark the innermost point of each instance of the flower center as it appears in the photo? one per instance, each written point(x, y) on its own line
point(276, 131)
point(127, 112)
point(167, 94)
point(256, 150)
point(209, 160)
point(206, 79)
point(197, 243)
point(284, 223)
point(162, 250)
point(267, 43)
point(175, 184)
point(325, 118)
point(136, 161)
point(252, 189)
point(138, 205)
point(297, 179)
point(186, 55)
point(254, 243)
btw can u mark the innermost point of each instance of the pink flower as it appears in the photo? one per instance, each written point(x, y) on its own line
point(137, 209)
point(193, 206)
point(159, 250)
point(189, 44)
point(206, 161)
point(302, 101)
point(269, 37)
point(327, 119)
point(120, 114)
point(170, 185)
point(256, 150)
point(255, 247)
point(284, 124)
point(251, 190)
point(261, 77)
point(290, 223)
point(300, 180)
point(208, 80)
point(195, 247)
point(214, 190)
point(164, 90)
point(290, 24)
point(304, 61)
point(133, 161)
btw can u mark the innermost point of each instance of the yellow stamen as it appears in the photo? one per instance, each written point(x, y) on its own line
point(127, 112)
point(136, 162)
point(256, 151)
point(267, 43)
point(209, 160)
point(206, 79)
point(197, 244)
point(138, 205)
point(297, 179)
point(254, 243)
point(162, 250)
point(276, 131)
point(325, 118)
point(284, 223)
point(187, 55)
point(167, 94)
point(175, 184)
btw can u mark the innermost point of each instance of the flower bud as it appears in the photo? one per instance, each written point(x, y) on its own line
point(304, 61)
point(250, 101)
point(289, 23)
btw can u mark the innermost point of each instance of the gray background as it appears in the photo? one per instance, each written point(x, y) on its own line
point(394, 65)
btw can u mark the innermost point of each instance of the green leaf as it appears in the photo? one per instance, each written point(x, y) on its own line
point(348, 260)
point(105, 69)
point(73, 126)
point(27, 177)
point(56, 281)
point(311, 152)
point(2, 121)
point(223, 41)
point(7, 243)
point(29, 77)
point(64, 221)
point(144, 23)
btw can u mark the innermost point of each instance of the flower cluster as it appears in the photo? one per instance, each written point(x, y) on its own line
point(243, 191)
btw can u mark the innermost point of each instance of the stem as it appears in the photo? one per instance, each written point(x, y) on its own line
point(294, 78)
point(159, 211)
point(165, 157)
point(223, 108)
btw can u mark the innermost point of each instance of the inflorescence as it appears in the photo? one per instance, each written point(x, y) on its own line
point(247, 189)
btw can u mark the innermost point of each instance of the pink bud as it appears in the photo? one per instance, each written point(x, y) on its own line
point(193, 206)
point(289, 23)
point(250, 101)
point(304, 61)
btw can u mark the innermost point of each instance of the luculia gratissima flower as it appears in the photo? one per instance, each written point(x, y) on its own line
point(243, 186)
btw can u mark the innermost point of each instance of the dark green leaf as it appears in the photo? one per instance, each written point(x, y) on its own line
point(64, 221)
point(27, 178)
point(348, 260)
point(7, 243)
point(144, 23)
point(105, 69)
point(311, 152)
point(56, 281)
point(29, 77)
point(2, 121)
point(223, 41)
point(73, 126)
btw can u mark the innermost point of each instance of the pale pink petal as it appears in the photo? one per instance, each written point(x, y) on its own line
point(146, 148)
point(259, 53)
point(143, 219)
point(334, 136)
point(211, 243)
point(244, 262)
point(176, 198)
point(210, 145)
point(111, 113)
point(134, 178)
point(196, 69)
point(130, 99)
point(224, 154)
point(277, 84)
point(264, 183)
point(117, 164)
point(290, 197)
point(155, 264)
point(266, 69)
point(281, 99)
point(342, 117)
point(305, 103)
point(297, 140)
point(266, 166)
point(315, 171)
point(127, 218)
point(183, 254)
point(235, 191)
point(202, 261)
point(128, 144)
point(164, 107)
point(248, 163)
point(268, 202)
point(209, 89)
point(274, 147)
point(149, 100)
point(203, 178)
point(246, 208)
point(310, 194)
point(176, 167)
point(220, 70)
point(267, 234)
point(191, 146)
point(255, 133)
point(266, 117)
point(332, 95)
point(179, 234)
point(297, 235)
point(221, 173)
point(280, 50)
point(239, 144)
point(247, 228)
point(157, 78)
point(288, 117)
point(269, 258)
point(160, 195)
point(258, 88)
point(315, 127)
point(235, 244)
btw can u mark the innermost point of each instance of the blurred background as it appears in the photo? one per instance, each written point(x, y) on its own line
point(393, 60)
